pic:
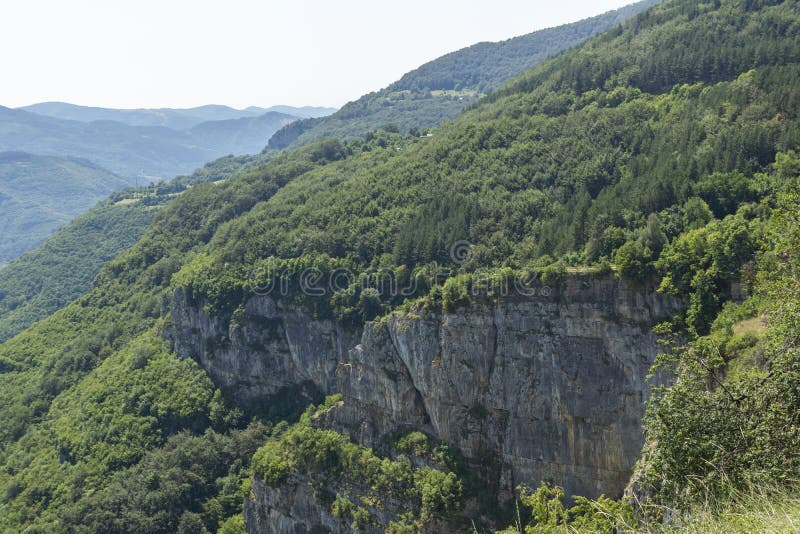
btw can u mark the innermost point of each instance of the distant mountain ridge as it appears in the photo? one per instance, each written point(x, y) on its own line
point(53, 169)
point(440, 89)
point(244, 135)
point(137, 153)
point(178, 119)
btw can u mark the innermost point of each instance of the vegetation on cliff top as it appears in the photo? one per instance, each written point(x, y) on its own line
point(575, 161)
point(324, 455)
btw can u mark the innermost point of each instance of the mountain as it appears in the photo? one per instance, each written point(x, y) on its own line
point(40, 193)
point(306, 112)
point(136, 153)
point(63, 267)
point(442, 88)
point(468, 314)
point(176, 119)
point(240, 136)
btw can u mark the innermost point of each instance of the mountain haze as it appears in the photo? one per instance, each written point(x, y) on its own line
point(177, 119)
point(240, 136)
point(137, 153)
point(55, 168)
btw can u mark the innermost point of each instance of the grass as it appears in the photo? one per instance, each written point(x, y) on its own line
point(756, 325)
point(758, 509)
point(755, 511)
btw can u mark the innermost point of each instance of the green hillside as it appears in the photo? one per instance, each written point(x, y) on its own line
point(54, 274)
point(38, 194)
point(626, 150)
point(442, 88)
point(549, 166)
point(63, 267)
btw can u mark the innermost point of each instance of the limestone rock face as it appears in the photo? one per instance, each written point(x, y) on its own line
point(550, 385)
point(554, 386)
point(290, 509)
point(296, 508)
point(274, 345)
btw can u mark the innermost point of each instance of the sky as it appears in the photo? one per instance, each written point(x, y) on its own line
point(178, 53)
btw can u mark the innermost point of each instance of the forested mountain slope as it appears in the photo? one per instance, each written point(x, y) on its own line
point(52, 275)
point(63, 267)
point(585, 160)
point(442, 88)
point(38, 194)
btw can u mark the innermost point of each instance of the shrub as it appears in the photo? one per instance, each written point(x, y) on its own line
point(635, 263)
point(455, 294)
point(233, 525)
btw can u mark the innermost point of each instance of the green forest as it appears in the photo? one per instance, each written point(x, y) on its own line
point(665, 151)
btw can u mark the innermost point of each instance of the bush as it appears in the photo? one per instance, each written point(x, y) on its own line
point(270, 464)
point(369, 302)
point(440, 492)
point(233, 525)
point(415, 443)
point(545, 513)
point(455, 294)
point(635, 263)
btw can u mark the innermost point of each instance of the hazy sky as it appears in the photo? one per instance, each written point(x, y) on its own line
point(180, 53)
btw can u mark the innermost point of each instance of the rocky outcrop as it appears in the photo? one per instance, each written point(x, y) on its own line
point(294, 508)
point(302, 506)
point(258, 354)
point(552, 386)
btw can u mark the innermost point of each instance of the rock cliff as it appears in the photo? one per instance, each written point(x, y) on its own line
point(271, 347)
point(552, 386)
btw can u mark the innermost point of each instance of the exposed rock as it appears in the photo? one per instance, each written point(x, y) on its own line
point(551, 385)
point(302, 506)
point(294, 508)
point(274, 345)
point(555, 386)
